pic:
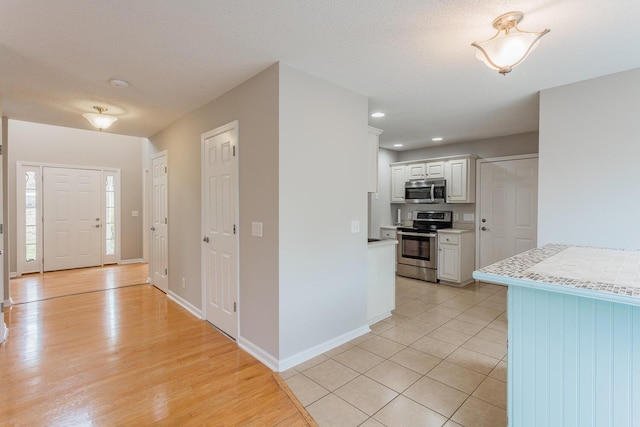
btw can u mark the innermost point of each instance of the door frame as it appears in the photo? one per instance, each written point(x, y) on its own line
point(234, 128)
point(165, 154)
point(20, 205)
point(479, 164)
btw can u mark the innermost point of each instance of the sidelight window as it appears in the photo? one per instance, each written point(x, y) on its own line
point(30, 207)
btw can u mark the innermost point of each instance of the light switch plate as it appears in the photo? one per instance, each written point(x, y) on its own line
point(256, 229)
point(134, 213)
point(469, 217)
point(355, 226)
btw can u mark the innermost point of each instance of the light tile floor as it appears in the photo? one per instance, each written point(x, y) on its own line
point(440, 360)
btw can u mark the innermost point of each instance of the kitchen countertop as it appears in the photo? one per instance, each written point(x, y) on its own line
point(382, 242)
point(455, 230)
point(599, 273)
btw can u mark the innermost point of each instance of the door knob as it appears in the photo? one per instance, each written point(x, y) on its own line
point(206, 239)
point(484, 229)
point(153, 229)
point(484, 220)
point(97, 225)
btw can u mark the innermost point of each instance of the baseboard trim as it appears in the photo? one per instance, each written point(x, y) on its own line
point(185, 304)
point(131, 261)
point(257, 352)
point(317, 350)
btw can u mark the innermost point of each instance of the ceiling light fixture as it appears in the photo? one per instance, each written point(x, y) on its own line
point(437, 138)
point(119, 83)
point(510, 46)
point(377, 115)
point(397, 145)
point(99, 120)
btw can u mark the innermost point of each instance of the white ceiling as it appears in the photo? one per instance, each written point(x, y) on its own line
point(412, 58)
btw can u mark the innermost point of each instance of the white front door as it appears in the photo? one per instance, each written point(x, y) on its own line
point(508, 210)
point(159, 223)
point(219, 226)
point(72, 218)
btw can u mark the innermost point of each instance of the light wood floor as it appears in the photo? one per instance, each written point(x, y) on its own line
point(40, 286)
point(129, 356)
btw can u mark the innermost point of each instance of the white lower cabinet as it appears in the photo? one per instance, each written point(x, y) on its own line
point(456, 250)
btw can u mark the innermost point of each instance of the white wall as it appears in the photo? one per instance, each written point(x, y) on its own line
point(322, 188)
point(589, 188)
point(34, 142)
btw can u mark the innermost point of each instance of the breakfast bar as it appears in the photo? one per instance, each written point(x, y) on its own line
point(573, 335)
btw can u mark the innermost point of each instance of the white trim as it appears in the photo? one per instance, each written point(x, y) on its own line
point(184, 304)
point(257, 352)
point(235, 129)
point(13, 274)
point(280, 365)
point(479, 163)
point(131, 261)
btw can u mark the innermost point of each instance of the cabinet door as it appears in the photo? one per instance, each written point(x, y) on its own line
point(449, 262)
point(435, 169)
point(372, 158)
point(415, 171)
point(456, 176)
point(397, 184)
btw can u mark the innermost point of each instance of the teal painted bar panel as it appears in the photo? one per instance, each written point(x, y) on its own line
point(572, 361)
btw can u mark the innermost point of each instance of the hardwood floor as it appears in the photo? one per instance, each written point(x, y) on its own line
point(40, 286)
point(130, 356)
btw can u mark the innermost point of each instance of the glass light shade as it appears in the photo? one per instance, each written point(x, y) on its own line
point(507, 51)
point(100, 121)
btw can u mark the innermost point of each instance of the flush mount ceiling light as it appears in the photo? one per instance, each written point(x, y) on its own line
point(99, 120)
point(510, 46)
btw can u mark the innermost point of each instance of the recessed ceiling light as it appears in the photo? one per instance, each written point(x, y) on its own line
point(377, 114)
point(119, 83)
point(437, 138)
point(397, 145)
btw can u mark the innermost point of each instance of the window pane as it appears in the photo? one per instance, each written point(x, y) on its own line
point(30, 180)
point(30, 235)
point(30, 217)
point(110, 215)
point(111, 197)
point(30, 198)
point(31, 253)
point(110, 231)
point(110, 186)
point(111, 247)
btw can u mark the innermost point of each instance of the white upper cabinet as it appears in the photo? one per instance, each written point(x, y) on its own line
point(397, 183)
point(460, 177)
point(415, 171)
point(434, 169)
point(372, 159)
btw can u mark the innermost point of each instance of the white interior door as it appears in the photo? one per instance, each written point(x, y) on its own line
point(159, 223)
point(508, 210)
point(72, 218)
point(220, 241)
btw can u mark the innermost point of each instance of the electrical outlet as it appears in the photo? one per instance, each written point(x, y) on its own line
point(409, 215)
point(256, 229)
point(469, 217)
point(456, 216)
point(184, 283)
point(355, 226)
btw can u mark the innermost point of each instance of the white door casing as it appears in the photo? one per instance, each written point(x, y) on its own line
point(219, 228)
point(72, 218)
point(159, 252)
point(508, 208)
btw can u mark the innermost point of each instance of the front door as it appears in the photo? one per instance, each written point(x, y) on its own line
point(72, 218)
point(219, 227)
point(159, 223)
point(508, 208)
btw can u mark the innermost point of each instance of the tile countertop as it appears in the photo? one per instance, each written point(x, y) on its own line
point(604, 274)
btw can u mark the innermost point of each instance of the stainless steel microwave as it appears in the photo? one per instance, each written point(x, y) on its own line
point(425, 191)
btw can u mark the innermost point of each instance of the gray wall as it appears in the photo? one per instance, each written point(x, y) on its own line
point(380, 212)
point(300, 145)
point(34, 142)
point(589, 154)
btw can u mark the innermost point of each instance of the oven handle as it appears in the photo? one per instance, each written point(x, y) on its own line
point(404, 233)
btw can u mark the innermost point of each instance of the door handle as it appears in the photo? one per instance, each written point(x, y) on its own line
point(485, 229)
point(206, 239)
point(153, 229)
point(97, 225)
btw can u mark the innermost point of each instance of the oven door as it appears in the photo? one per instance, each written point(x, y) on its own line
point(418, 249)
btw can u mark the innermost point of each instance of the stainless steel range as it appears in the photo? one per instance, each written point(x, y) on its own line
point(418, 245)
